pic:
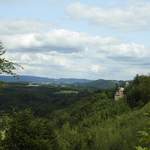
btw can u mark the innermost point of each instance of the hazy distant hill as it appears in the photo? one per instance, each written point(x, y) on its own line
point(24, 79)
point(100, 84)
point(103, 84)
point(42, 80)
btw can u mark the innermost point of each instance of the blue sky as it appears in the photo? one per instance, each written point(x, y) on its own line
point(77, 39)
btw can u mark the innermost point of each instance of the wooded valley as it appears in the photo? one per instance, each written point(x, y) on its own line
point(45, 118)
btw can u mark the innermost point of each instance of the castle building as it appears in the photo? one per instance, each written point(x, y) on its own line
point(119, 94)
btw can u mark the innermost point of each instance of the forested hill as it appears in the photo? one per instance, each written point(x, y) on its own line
point(58, 118)
point(103, 84)
point(41, 80)
point(99, 84)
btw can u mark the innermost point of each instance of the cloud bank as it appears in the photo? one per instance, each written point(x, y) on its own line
point(45, 50)
point(134, 16)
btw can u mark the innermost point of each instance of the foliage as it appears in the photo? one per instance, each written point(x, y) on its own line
point(6, 66)
point(138, 92)
point(26, 132)
point(88, 120)
point(145, 136)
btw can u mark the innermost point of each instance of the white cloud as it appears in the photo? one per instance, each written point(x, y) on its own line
point(66, 41)
point(23, 26)
point(65, 53)
point(132, 17)
point(96, 68)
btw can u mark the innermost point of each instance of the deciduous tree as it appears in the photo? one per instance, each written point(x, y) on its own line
point(6, 66)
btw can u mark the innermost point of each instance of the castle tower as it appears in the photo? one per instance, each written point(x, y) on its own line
point(119, 94)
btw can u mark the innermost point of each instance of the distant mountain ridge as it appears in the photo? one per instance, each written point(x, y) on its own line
point(42, 80)
point(103, 84)
point(23, 79)
point(100, 84)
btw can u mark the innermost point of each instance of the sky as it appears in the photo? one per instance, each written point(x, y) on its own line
point(90, 39)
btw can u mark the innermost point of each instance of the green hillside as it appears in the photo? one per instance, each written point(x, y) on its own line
point(101, 84)
point(89, 121)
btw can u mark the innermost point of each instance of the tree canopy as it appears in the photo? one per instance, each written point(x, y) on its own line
point(6, 66)
point(138, 92)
